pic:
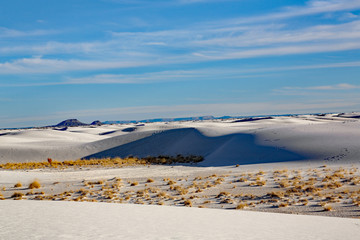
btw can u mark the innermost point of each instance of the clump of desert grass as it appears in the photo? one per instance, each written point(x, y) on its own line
point(241, 206)
point(171, 182)
point(135, 183)
point(17, 185)
point(282, 205)
point(188, 203)
point(327, 208)
point(35, 184)
point(17, 195)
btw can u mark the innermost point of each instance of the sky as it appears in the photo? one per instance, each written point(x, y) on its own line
point(136, 59)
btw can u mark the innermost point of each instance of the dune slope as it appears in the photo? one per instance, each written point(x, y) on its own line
point(230, 149)
point(295, 138)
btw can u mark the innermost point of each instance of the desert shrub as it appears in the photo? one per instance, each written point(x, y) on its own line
point(242, 179)
point(30, 193)
point(283, 205)
point(284, 184)
point(219, 180)
point(180, 190)
point(162, 195)
point(187, 203)
point(34, 184)
point(223, 194)
point(276, 194)
point(17, 195)
point(18, 184)
point(171, 182)
point(227, 200)
point(150, 180)
point(241, 206)
point(260, 182)
point(135, 183)
point(327, 208)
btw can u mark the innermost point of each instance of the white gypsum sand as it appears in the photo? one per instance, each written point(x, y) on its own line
point(317, 155)
point(70, 220)
point(329, 138)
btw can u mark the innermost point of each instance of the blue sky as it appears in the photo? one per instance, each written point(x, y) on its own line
point(135, 59)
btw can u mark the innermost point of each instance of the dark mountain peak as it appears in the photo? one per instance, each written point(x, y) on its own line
point(97, 123)
point(70, 123)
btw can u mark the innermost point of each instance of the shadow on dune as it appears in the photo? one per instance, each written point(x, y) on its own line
point(217, 151)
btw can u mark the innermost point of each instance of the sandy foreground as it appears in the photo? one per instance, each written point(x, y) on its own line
point(69, 220)
point(302, 165)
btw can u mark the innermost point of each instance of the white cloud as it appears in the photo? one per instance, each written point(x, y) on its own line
point(341, 86)
point(13, 33)
point(277, 51)
point(311, 7)
point(41, 65)
point(275, 34)
point(341, 89)
point(170, 75)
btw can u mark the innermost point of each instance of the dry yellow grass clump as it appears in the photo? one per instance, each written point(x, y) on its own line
point(187, 203)
point(17, 185)
point(34, 184)
point(17, 195)
point(135, 183)
point(241, 206)
point(327, 208)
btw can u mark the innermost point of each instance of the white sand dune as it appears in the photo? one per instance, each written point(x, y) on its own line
point(301, 142)
point(300, 138)
point(73, 220)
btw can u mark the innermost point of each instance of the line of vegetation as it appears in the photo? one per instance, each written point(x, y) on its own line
point(104, 162)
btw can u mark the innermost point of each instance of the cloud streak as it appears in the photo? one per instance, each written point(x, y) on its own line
point(13, 33)
point(311, 7)
point(341, 86)
point(42, 65)
point(202, 74)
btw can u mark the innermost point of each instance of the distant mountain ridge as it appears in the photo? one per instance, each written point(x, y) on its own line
point(163, 120)
point(76, 123)
point(70, 123)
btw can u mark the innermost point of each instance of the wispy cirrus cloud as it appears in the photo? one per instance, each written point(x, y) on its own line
point(340, 86)
point(170, 75)
point(42, 65)
point(311, 7)
point(323, 90)
point(13, 33)
point(279, 34)
point(209, 74)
